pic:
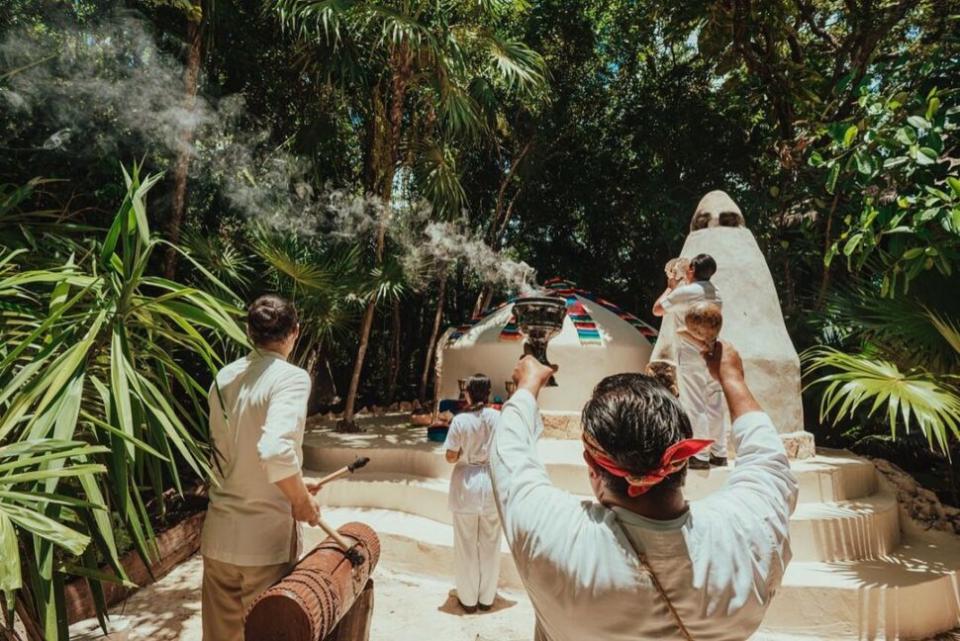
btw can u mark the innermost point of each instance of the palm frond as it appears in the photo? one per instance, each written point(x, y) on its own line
point(437, 172)
point(521, 67)
point(97, 362)
point(304, 273)
point(459, 113)
point(900, 328)
point(948, 328)
point(911, 399)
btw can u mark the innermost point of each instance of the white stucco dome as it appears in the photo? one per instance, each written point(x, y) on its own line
point(598, 339)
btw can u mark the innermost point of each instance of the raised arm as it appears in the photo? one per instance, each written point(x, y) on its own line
point(762, 476)
point(531, 508)
point(277, 447)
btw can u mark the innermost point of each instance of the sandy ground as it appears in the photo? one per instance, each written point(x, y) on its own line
point(406, 608)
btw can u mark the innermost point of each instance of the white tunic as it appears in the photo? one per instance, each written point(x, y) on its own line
point(258, 431)
point(471, 491)
point(720, 562)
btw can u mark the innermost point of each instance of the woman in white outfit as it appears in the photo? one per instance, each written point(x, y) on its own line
point(476, 526)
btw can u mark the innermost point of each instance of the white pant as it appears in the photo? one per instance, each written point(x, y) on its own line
point(702, 399)
point(476, 553)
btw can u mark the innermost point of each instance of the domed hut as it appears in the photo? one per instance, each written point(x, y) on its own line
point(598, 338)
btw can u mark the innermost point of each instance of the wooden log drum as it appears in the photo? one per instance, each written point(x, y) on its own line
point(307, 604)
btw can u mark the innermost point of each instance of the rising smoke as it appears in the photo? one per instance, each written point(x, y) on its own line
point(95, 92)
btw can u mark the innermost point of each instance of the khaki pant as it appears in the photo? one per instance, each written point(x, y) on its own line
point(229, 590)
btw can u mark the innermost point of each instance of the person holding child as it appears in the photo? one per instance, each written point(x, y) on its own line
point(476, 526)
point(700, 394)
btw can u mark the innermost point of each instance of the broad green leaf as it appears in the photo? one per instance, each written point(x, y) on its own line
point(954, 185)
point(850, 135)
point(852, 244)
point(919, 122)
point(10, 578)
point(831, 184)
point(926, 156)
point(46, 528)
point(120, 388)
point(906, 136)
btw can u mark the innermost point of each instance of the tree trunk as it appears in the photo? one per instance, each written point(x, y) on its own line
point(393, 370)
point(181, 165)
point(383, 145)
point(347, 424)
point(431, 346)
point(498, 225)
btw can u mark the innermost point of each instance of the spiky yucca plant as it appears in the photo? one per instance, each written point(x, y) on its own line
point(100, 405)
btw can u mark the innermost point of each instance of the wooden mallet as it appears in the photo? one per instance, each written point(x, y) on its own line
point(352, 554)
point(343, 471)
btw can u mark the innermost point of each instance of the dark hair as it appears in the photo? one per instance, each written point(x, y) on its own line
point(478, 387)
point(634, 418)
point(270, 318)
point(704, 266)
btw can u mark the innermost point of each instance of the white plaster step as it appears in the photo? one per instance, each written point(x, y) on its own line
point(832, 475)
point(837, 531)
point(913, 593)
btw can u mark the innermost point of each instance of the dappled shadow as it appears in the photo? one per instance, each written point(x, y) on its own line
point(390, 430)
point(884, 604)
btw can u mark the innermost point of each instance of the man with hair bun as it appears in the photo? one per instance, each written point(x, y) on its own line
point(641, 562)
point(258, 409)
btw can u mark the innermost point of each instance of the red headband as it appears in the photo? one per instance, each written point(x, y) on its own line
point(673, 460)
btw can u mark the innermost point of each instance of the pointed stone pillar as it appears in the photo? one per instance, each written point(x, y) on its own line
point(752, 318)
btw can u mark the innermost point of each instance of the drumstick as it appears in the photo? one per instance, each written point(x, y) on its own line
point(343, 471)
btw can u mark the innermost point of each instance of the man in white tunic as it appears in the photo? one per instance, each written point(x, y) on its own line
point(642, 563)
point(476, 526)
point(700, 395)
point(250, 536)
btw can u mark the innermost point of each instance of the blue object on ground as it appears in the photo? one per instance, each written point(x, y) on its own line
point(437, 433)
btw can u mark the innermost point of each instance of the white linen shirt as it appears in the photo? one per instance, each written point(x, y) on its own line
point(257, 430)
point(675, 306)
point(471, 491)
point(720, 563)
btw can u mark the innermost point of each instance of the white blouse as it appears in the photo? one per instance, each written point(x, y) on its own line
point(471, 491)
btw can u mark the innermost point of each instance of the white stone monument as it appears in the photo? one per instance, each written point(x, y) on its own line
point(752, 319)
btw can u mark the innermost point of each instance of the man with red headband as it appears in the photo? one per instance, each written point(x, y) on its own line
point(642, 562)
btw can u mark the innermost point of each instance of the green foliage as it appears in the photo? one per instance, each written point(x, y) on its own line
point(446, 60)
point(894, 354)
point(324, 281)
point(100, 409)
point(910, 399)
point(899, 186)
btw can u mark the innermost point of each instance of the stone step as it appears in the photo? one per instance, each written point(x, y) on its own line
point(837, 531)
point(911, 593)
point(832, 475)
